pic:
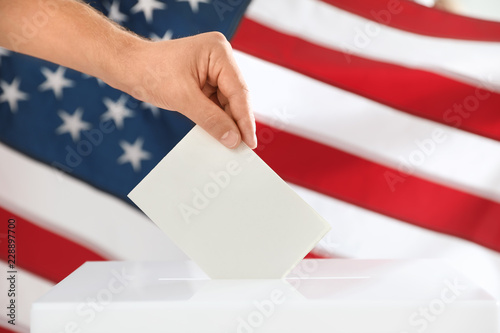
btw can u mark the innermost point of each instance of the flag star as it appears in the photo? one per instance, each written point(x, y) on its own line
point(194, 4)
point(154, 110)
point(11, 94)
point(117, 111)
point(114, 13)
point(55, 81)
point(167, 36)
point(72, 124)
point(147, 7)
point(133, 154)
point(3, 52)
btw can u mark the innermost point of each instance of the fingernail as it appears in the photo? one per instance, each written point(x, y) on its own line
point(229, 139)
point(254, 141)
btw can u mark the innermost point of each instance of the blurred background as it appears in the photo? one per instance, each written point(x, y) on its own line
point(385, 119)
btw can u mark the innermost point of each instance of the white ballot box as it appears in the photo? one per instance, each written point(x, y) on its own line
point(318, 296)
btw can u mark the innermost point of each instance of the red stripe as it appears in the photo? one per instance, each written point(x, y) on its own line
point(312, 255)
point(417, 92)
point(4, 330)
point(43, 252)
point(409, 16)
point(358, 181)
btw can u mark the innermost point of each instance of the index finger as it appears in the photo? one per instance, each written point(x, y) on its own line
point(231, 84)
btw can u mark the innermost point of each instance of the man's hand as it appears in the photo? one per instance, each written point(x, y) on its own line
point(198, 77)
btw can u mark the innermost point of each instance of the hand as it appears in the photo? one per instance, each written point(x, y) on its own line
point(198, 77)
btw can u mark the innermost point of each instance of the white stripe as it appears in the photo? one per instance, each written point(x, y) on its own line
point(323, 24)
point(77, 211)
point(323, 113)
point(29, 288)
point(359, 233)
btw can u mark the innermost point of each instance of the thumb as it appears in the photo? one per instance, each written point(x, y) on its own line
point(215, 121)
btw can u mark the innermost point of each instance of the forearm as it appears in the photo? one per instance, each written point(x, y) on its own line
point(69, 33)
point(196, 76)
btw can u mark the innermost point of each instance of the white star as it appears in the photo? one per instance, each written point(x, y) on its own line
point(154, 110)
point(147, 7)
point(72, 124)
point(167, 36)
point(3, 52)
point(115, 14)
point(55, 81)
point(133, 154)
point(194, 4)
point(12, 94)
point(116, 111)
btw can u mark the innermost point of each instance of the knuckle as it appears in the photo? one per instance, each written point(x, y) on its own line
point(217, 36)
point(240, 95)
point(219, 41)
point(211, 122)
point(244, 91)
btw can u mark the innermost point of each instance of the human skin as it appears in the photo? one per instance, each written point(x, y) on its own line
point(196, 76)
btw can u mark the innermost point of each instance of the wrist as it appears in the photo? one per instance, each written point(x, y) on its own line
point(120, 67)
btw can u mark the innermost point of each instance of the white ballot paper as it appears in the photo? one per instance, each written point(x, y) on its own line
point(227, 210)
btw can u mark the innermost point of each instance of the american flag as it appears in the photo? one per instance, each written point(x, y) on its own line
point(383, 115)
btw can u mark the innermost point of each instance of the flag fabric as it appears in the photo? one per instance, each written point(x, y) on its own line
point(383, 115)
